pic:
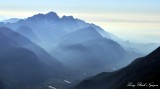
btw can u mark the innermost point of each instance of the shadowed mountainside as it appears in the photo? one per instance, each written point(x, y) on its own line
point(24, 64)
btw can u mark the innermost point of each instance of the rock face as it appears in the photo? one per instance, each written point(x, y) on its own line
point(142, 70)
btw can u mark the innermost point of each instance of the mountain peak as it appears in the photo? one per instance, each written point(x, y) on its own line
point(67, 17)
point(49, 16)
point(52, 15)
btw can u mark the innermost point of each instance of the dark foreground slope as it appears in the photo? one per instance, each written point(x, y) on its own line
point(1, 85)
point(144, 70)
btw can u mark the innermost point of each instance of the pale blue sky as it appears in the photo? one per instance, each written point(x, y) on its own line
point(124, 18)
point(83, 5)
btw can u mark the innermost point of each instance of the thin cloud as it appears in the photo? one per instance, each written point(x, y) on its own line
point(131, 21)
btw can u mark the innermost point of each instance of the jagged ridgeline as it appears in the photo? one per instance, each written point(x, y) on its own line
point(47, 50)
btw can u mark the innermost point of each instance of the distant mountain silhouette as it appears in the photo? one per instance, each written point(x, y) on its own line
point(59, 36)
point(51, 16)
point(11, 20)
point(139, 48)
point(45, 25)
point(48, 28)
point(143, 49)
point(87, 51)
point(81, 35)
point(145, 70)
point(59, 48)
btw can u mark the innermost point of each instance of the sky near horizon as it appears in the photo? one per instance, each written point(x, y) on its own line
point(134, 20)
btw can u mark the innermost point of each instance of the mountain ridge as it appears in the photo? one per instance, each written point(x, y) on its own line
point(145, 70)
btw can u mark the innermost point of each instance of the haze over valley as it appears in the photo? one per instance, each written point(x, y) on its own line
point(79, 45)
